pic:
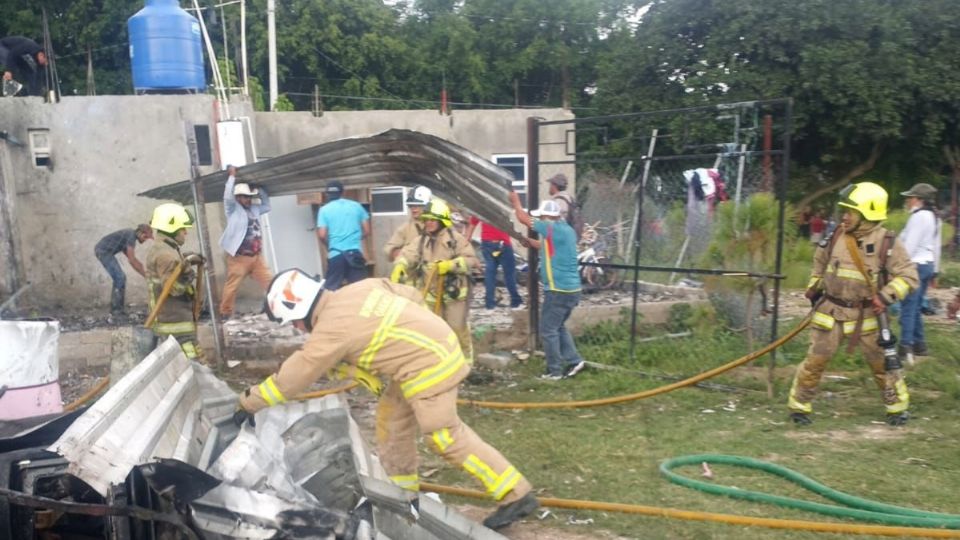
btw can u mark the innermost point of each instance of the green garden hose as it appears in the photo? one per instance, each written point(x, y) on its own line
point(854, 507)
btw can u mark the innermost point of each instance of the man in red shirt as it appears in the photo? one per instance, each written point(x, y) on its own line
point(497, 250)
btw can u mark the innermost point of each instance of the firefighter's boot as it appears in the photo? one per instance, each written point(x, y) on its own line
point(508, 513)
point(801, 419)
point(898, 419)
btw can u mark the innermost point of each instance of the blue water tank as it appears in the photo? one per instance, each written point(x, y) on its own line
point(165, 50)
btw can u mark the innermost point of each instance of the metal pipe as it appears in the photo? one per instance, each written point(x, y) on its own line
point(272, 50)
point(638, 239)
point(533, 201)
point(204, 237)
point(782, 197)
point(243, 46)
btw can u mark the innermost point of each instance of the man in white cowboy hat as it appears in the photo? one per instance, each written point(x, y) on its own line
point(242, 238)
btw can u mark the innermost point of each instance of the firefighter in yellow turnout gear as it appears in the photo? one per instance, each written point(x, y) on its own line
point(439, 264)
point(410, 231)
point(176, 315)
point(382, 329)
point(857, 273)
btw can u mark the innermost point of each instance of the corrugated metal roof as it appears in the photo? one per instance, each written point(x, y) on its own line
point(394, 157)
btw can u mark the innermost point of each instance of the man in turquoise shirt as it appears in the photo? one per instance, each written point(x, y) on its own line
point(561, 285)
point(342, 225)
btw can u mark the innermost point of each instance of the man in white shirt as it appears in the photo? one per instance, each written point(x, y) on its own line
point(921, 237)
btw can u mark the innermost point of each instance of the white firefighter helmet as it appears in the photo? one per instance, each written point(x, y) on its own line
point(291, 295)
point(419, 196)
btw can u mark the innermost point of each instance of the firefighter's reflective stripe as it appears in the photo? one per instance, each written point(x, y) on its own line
point(173, 328)
point(410, 482)
point(903, 398)
point(900, 286)
point(851, 274)
point(814, 281)
point(156, 286)
point(450, 362)
point(822, 320)
point(497, 485)
point(392, 308)
point(795, 405)
point(827, 322)
point(442, 439)
point(270, 393)
point(190, 350)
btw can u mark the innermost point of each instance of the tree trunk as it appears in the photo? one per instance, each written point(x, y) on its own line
point(565, 87)
point(851, 174)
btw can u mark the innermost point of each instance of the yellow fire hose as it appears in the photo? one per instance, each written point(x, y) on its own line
point(730, 519)
point(646, 393)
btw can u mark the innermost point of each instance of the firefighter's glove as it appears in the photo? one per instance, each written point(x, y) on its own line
point(193, 259)
point(445, 266)
point(242, 415)
point(399, 273)
point(363, 377)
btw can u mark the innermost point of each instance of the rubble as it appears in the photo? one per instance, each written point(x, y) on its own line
point(160, 456)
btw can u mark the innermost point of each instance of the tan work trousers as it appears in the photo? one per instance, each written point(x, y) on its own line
point(239, 267)
point(436, 416)
point(823, 344)
point(455, 313)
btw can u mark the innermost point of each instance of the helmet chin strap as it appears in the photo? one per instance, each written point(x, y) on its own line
point(308, 320)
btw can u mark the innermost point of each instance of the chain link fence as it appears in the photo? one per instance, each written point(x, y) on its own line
point(684, 226)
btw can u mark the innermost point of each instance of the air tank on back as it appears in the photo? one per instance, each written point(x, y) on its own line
point(165, 51)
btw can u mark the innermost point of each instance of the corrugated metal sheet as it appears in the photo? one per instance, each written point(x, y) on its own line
point(394, 157)
point(165, 407)
point(302, 469)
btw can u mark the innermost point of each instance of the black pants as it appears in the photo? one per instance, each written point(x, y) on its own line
point(344, 266)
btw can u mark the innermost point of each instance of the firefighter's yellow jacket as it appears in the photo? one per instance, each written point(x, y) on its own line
point(846, 292)
point(446, 245)
point(376, 325)
point(162, 259)
point(408, 233)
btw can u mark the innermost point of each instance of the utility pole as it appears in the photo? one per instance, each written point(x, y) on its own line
point(272, 50)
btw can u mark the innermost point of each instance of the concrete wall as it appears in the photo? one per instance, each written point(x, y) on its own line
point(105, 149)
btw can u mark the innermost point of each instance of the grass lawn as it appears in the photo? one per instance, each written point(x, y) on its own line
point(612, 453)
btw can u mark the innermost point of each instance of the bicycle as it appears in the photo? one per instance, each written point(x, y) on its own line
point(595, 240)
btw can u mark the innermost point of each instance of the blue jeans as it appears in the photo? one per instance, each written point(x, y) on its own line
point(113, 268)
point(911, 319)
point(338, 269)
point(558, 344)
point(506, 260)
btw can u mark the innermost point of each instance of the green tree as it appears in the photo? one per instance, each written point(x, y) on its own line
point(858, 70)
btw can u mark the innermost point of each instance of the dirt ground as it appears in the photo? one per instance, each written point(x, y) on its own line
point(75, 382)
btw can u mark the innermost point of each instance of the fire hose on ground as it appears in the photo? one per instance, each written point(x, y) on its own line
point(898, 521)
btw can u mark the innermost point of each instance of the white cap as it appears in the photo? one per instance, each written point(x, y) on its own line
point(244, 189)
point(548, 208)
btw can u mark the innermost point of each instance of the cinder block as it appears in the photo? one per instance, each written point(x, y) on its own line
point(492, 361)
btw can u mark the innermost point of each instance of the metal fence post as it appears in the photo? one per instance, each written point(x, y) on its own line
point(533, 201)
